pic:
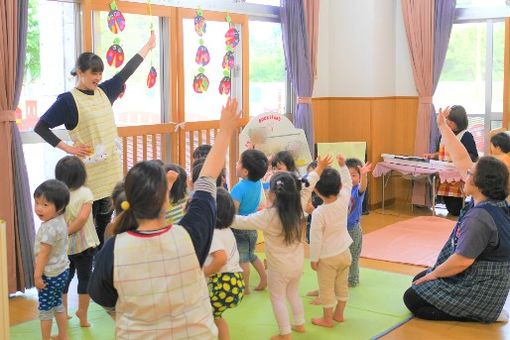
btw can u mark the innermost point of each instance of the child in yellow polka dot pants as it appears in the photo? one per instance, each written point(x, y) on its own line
point(225, 275)
point(226, 291)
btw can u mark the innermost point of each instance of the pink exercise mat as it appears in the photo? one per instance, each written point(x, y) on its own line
point(416, 241)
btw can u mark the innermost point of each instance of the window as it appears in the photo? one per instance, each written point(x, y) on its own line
point(207, 105)
point(268, 79)
point(480, 3)
point(50, 56)
point(140, 105)
point(472, 75)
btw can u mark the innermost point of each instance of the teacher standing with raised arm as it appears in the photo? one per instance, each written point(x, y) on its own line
point(86, 112)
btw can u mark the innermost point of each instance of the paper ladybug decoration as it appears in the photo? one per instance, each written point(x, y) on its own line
point(224, 87)
point(202, 57)
point(200, 25)
point(200, 83)
point(232, 37)
point(115, 54)
point(116, 21)
point(151, 77)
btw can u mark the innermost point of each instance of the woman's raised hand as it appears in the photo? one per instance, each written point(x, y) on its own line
point(441, 117)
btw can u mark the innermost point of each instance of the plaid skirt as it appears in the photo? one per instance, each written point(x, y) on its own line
point(477, 293)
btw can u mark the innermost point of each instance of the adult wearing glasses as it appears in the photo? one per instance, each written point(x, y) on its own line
point(471, 278)
point(451, 193)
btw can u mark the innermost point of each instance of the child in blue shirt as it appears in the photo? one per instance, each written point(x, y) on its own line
point(251, 167)
point(359, 185)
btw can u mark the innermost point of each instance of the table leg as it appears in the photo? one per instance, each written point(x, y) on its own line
point(383, 185)
point(433, 195)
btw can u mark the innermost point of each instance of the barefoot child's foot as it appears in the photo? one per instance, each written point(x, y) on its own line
point(338, 318)
point(316, 301)
point(299, 328)
point(246, 291)
point(261, 286)
point(281, 337)
point(83, 319)
point(323, 323)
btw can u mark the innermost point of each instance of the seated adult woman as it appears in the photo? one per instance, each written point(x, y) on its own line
point(471, 278)
point(451, 193)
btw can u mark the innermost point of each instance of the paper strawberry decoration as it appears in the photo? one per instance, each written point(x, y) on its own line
point(115, 54)
point(225, 84)
point(200, 83)
point(151, 77)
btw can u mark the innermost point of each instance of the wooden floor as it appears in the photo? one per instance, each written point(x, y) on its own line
point(23, 307)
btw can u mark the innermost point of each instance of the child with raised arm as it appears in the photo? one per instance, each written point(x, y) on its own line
point(50, 250)
point(149, 274)
point(329, 242)
point(225, 276)
point(247, 195)
point(359, 185)
point(83, 238)
point(281, 225)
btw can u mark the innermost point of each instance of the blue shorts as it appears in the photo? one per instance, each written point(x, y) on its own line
point(246, 241)
point(50, 297)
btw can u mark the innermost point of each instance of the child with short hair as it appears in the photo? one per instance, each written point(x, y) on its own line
point(281, 226)
point(359, 185)
point(149, 274)
point(82, 238)
point(178, 195)
point(225, 275)
point(201, 152)
point(50, 250)
point(118, 196)
point(247, 193)
point(329, 242)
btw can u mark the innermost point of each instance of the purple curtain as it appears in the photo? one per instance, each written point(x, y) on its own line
point(444, 16)
point(298, 61)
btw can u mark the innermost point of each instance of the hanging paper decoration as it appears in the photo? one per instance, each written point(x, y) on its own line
point(116, 21)
point(231, 41)
point(115, 54)
point(200, 83)
point(232, 37)
point(202, 57)
point(151, 78)
point(200, 25)
point(228, 60)
point(153, 74)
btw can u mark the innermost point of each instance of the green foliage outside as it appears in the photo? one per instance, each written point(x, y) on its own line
point(33, 58)
point(466, 56)
point(267, 63)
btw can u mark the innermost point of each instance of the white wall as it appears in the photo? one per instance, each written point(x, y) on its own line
point(362, 50)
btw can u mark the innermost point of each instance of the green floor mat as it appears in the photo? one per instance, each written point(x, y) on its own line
point(374, 307)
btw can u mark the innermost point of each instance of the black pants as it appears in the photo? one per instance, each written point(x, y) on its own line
point(424, 310)
point(82, 264)
point(453, 204)
point(102, 215)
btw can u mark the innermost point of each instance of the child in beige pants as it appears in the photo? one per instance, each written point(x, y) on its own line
point(329, 243)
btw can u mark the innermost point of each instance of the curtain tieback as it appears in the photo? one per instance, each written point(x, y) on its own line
point(7, 116)
point(426, 100)
point(304, 100)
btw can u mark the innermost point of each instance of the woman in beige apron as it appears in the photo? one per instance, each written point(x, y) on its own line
point(86, 111)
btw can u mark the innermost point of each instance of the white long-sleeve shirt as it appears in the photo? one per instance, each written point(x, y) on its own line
point(328, 233)
point(281, 257)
